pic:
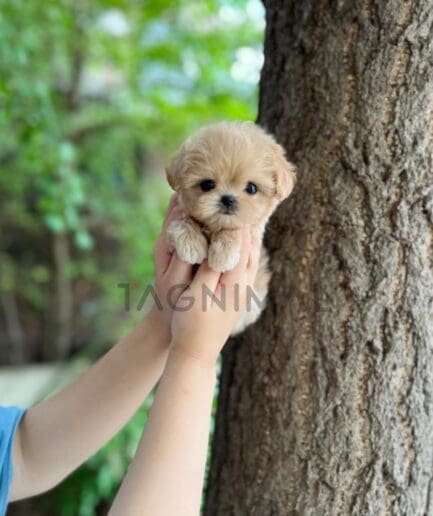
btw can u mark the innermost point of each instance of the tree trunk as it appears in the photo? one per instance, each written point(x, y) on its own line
point(58, 341)
point(325, 405)
point(17, 342)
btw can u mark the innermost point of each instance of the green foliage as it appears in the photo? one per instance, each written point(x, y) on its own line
point(93, 93)
point(94, 96)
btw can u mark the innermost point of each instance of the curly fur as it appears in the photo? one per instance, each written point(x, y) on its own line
point(231, 154)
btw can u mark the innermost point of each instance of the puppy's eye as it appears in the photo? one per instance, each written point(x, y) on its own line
point(251, 188)
point(207, 185)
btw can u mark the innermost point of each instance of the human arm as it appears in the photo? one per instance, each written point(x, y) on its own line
point(58, 434)
point(167, 473)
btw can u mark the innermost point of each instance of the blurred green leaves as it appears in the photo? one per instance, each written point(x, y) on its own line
point(94, 97)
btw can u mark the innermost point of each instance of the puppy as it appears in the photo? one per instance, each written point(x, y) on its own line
point(228, 175)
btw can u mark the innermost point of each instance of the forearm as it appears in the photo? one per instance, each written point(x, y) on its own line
point(60, 433)
point(166, 476)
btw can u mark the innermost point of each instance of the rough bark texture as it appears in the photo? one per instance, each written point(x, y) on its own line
point(326, 405)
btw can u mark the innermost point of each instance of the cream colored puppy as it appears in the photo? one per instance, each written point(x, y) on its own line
point(227, 175)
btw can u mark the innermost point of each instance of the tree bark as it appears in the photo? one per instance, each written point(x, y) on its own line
point(325, 405)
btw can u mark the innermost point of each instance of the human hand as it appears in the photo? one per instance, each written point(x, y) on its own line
point(172, 275)
point(210, 307)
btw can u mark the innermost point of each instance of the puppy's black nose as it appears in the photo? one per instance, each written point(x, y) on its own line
point(228, 201)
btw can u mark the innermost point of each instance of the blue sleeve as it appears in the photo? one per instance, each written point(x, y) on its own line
point(9, 419)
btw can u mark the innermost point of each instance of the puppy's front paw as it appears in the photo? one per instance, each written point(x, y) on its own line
point(222, 258)
point(191, 245)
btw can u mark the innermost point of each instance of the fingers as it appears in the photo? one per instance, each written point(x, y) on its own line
point(179, 272)
point(207, 277)
point(162, 252)
point(161, 255)
point(174, 212)
point(171, 205)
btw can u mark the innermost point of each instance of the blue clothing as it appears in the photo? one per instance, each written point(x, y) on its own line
point(9, 419)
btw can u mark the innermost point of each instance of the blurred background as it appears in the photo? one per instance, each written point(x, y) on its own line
point(94, 98)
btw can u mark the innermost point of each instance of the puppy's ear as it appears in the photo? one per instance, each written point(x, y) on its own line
point(284, 173)
point(176, 168)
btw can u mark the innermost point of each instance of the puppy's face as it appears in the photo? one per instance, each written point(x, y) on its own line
point(231, 174)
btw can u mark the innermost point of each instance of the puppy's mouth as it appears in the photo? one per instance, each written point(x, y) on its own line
point(227, 211)
point(224, 219)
